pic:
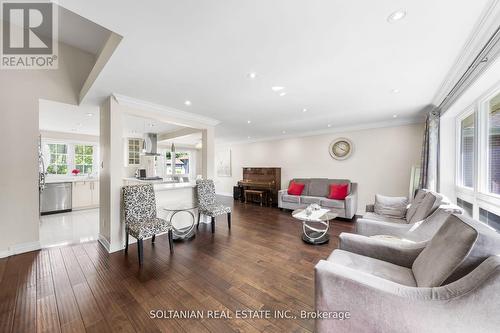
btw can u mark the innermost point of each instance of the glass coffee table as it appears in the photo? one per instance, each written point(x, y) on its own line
point(183, 221)
point(315, 225)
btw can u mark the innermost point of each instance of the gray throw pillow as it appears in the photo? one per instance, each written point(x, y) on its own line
point(394, 207)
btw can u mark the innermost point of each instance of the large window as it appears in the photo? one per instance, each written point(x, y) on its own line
point(467, 151)
point(181, 163)
point(58, 159)
point(84, 158)
point(494, 145)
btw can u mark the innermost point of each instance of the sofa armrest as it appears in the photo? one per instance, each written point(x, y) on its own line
point(370, 208)
point(351, 202)
point(280, 197)
point(398, 253)
point(369, 227)
point(379, 305)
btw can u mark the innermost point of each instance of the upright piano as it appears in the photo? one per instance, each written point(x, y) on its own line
point(265, 179)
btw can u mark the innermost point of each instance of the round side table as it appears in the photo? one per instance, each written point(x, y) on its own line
point(315, 226)
point(182, 230)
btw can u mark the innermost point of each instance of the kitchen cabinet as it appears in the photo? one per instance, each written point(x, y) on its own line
point(85, 194)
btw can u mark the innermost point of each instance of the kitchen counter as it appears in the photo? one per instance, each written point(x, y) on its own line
point(70, 179)
point(159, 184)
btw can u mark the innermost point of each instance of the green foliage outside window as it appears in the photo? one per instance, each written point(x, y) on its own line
point(58, 159)
point(84, 158)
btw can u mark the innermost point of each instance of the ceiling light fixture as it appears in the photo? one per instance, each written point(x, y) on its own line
point(329, 125)
point(396, 16)
point(252, 75)
point(249, 137)
point(282, 94)
point(277, 88)
point(249, 121)
point(89, 114)
point(284, 132)
point(188, 103)
point(395, 91)
point(394, 116)
point(304, 110)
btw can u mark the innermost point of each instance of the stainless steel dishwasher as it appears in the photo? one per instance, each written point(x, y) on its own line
point(56, 198)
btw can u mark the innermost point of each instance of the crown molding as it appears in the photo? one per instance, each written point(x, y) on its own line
point(333, 130)
point(164, 110)
point(481, 33)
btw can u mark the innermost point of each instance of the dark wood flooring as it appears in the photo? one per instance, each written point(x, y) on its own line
point(261, 264)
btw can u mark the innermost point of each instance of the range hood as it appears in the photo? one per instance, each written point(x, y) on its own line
point(150, 145)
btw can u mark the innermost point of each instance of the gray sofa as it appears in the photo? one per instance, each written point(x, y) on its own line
point(448, 284)
point(316, 191)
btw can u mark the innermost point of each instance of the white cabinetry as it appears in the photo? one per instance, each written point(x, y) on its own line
point(85, 194)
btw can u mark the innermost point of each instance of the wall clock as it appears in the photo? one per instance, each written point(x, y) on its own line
point(341, 148)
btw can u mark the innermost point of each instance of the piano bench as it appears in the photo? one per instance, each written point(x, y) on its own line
point(260, 194)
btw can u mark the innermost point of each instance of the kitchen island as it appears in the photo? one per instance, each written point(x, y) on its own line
point(173, 197)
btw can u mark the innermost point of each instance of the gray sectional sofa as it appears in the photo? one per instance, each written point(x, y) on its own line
point(448, 284)
point(316, 191)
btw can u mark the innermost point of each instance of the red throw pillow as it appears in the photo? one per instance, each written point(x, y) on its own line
point(295, 188)
point(338, 191)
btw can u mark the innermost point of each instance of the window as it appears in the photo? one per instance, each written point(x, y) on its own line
point(134, 151)
point(489, 218)
point(466, 206)
point(467, 151)
point(181, 163)
point(58, 159)
point(84, 158)
point(494, 145)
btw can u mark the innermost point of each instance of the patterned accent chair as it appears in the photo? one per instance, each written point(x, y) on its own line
point(207, 204)
point(140, 217)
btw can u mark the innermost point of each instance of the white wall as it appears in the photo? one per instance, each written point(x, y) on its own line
point(20, 91)
point(381, 161)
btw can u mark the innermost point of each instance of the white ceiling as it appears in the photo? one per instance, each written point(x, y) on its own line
point(66, 118)
point(339, 59)
point(81, 33)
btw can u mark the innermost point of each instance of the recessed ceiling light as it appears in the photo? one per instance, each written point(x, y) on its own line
point(284, 132)
point(249, 137)
point(304, 110)
point(249, 121)
point(396, 16)
point(188, 103)
point(252, 75)
point(277, 88)
point(329, 125)
point(89, 114)
point(394, 116)
point(282, 94)
point(395, 91)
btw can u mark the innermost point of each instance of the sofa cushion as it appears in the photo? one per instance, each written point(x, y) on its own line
point(376, 267)
point(304, 181)
point(318, 187)
point(376, 217)
point(309, 200)
point(295, 188)
point(415, 203)
point(426, 207)
point(290, 198)
point(444, 253)
point(332, 203)
point(338, 191)
point(393, 207)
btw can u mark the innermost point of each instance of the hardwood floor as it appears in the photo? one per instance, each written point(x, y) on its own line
point(261, 264)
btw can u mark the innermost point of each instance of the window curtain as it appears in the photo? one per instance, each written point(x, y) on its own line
point(429, 174)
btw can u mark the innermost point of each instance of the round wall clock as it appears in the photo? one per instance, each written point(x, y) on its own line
point(341, 148)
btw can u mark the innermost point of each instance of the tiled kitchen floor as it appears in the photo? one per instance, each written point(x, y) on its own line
point(69, 228)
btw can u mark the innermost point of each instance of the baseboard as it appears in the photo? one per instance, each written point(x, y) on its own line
point(20, 248)
point(104, 242)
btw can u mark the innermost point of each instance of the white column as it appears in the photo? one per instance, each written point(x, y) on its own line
point(208, 153)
